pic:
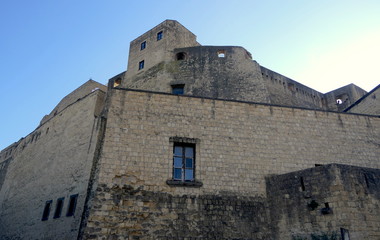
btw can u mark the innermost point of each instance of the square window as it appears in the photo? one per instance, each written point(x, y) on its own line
point(178, 89)
point(72, 205)
point(143, 45)
point(141, 65)
point(183, 162)
point(58, 208)
point(46, 213)
point(159, 35)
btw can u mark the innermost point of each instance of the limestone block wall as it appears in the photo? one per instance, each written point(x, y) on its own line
point(71, 98)
point(237, 145)
point(52, 162)
point(285, 91)
point(318, 203)
point(368, 104)
point(207, 71)
point(341, 98)
point(174, 35)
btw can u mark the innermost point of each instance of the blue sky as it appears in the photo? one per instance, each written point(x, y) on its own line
point(49, 48)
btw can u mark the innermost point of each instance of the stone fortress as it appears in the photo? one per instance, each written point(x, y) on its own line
point(197, 142)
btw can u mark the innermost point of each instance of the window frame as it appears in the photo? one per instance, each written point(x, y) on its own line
point(143, 45)
point(182, 182)
point(184, 168)
point(141, 65)
point(160, 35)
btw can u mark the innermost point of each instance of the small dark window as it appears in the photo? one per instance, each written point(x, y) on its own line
point(302, 184)
point(345, 234)
point(178, 89)
point(183, 162)
point(45, 214)
point(117, 82)
point(58, 207)
point(159, 35)
point(180, 56)
point(143, 45)
point(72, 205)
point(141, 65)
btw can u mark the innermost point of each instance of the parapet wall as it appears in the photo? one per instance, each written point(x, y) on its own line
point(341, 98)
point(285, 91)
point(77, 94)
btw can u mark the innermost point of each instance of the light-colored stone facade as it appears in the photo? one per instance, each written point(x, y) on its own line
point(52, 162)
point(270, 158)
point(368, 104)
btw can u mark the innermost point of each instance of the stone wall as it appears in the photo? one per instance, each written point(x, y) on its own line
point(74, 96)
point(317, 203)
point(285, 91)
point(341, 98)
point(237, 145)
point(174, 35)
point(52, 162)
point(205, 73)
point(368, 104)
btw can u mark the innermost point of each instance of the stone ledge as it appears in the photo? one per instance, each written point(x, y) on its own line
point(176, 183)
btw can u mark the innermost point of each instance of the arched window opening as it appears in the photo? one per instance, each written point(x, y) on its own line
point(180, 56)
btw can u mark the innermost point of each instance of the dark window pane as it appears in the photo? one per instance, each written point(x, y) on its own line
point(143, 45)
point(189, 152)
point(177, 162)
point(45, 214)
point(159, 36)
point(189, 163)
point(177, 173)
point(189, 174)
point(72, 205)
point(58, 208)
point(177, 151)
point(178, 90)
point(141, 65)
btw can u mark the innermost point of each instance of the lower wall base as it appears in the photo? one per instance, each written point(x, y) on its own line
point(133, 213)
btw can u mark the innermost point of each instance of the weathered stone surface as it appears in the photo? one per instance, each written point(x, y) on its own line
point(316, 203)
point(52, 162)
point(239, 145)
point(134, 213)
point(247, 160)
point(368, 104)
